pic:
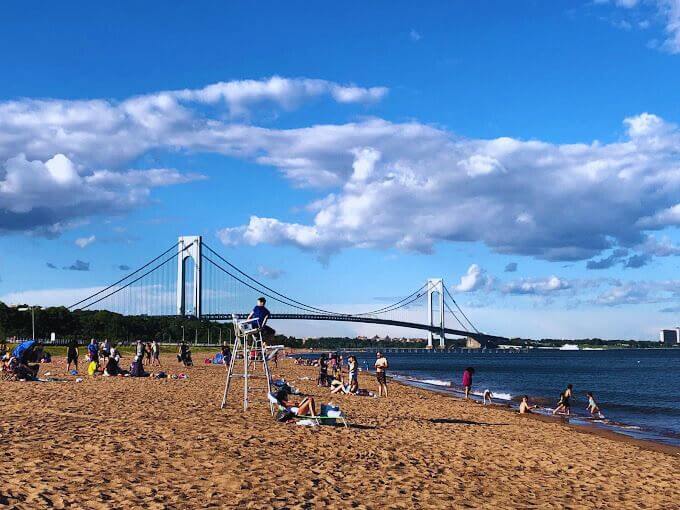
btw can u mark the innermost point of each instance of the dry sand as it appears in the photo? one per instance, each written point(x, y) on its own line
point(142, 443)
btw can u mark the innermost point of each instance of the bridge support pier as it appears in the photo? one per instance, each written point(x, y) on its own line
point(435, 288)
point(189, 247)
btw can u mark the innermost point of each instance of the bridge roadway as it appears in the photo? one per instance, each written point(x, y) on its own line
point(482, 337)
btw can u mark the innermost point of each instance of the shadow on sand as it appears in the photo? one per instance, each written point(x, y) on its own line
point(465, 422)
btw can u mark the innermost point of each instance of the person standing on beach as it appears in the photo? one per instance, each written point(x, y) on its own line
point(353, 374)
point(467, 380)
point(323, 372)
point(156, 353)
point(93, 351)
point(381, 366)
point(72, 355)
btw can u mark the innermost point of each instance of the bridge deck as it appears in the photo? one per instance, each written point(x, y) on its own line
point(367, 320)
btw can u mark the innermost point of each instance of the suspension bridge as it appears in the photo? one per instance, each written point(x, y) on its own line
point(190, 279)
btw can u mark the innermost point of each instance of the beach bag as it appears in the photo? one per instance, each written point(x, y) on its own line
point(284, 415)
point(92, 368)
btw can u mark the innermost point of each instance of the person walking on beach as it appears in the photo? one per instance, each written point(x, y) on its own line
point(592, 407)
point(140, 350)
point(564, 405)
point(72, 355)
point(467, 380)
point(381, 366)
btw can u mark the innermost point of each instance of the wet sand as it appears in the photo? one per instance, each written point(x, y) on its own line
point(143, 443)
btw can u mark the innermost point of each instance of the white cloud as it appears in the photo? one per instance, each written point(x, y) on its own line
point(429, 186)
point(475, 279)
point(414, 35)
point(405, 185)
point(270, 272)
point(668, 11)
point(536, 286)
point(49, 297)
point(82, 242)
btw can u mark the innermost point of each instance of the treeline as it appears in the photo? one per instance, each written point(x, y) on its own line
point(85, 324)
point(582, 342)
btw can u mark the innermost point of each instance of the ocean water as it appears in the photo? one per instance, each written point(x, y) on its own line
point(638, 390)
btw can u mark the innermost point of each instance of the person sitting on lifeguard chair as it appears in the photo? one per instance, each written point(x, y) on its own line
point(262, 315)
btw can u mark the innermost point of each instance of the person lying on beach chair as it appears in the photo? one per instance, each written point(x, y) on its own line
point(305, 407)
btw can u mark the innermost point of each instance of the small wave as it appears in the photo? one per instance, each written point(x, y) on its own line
point(434, 382)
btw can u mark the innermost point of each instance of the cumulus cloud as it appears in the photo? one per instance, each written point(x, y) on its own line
point(78, 265)
point(405, 185)
point(82, 242)
point(536, 286)
point(475, 279)
point(64, 160)
point(414, 35)
point(511, 267)
point(270, 272)
point(429, 186)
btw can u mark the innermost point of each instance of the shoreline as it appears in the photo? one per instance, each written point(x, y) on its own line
point(636, 430)
point(584, 428)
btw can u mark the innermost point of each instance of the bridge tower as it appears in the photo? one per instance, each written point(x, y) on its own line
point(189, 247)
point(435, 290)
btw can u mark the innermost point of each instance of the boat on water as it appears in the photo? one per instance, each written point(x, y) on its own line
point(569, 347)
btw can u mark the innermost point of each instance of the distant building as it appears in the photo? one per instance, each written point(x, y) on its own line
point(670, 337)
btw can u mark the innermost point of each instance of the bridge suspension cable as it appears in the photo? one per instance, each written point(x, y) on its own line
point(460, 310)
point(124, 278)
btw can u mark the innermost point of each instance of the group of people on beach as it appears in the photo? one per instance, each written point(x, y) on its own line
point(563, 405)
point(331, 374)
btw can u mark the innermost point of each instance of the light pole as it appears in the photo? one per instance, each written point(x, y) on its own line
point(32, 309)
point(182, 333)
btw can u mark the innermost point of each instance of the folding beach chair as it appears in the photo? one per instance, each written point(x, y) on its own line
point(316, 419)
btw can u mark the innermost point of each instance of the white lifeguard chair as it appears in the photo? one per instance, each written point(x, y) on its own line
point(250, 350)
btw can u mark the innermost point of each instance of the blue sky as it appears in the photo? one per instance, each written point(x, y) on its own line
point(381, 144)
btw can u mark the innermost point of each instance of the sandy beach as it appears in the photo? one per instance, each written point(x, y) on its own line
point(141, 443)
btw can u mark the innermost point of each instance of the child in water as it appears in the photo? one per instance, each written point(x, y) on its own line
point(592, 406)
point(524, 407)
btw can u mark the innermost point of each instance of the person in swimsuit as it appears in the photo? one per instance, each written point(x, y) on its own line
point(156, 353)
point(323, 372)
point(524, 407)
point(381, 366)
point(306, 407)
point(564, 405)
point(353, 374)
point(592, 405)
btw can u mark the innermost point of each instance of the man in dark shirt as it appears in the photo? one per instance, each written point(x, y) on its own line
point(261, 313)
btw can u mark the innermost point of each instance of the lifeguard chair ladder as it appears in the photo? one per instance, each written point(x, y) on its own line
point(249, 347)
